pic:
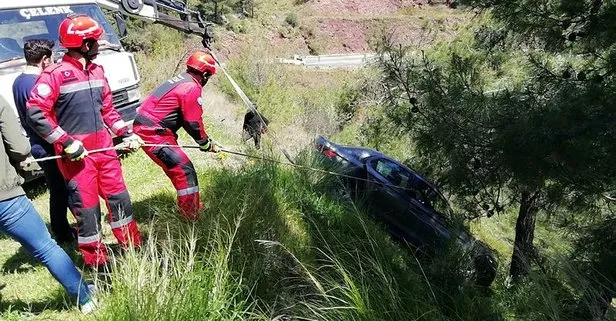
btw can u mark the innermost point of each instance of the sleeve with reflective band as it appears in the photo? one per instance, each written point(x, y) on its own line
point(111, 117)
point(40, 109)
point(192, 112)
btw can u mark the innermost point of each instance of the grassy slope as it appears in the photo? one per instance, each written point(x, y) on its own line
point(498, 231)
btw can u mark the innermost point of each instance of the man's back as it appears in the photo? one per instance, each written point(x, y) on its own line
point(164, 105)
point(13, 149)
point(69, 102)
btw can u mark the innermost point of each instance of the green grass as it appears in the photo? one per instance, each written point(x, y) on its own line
point(274, 241)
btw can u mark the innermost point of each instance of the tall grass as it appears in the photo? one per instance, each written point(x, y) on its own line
point(174, 279)
point(275, 241)
point(289, 95)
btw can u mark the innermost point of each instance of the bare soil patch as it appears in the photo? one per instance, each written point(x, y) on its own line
point(369, 7)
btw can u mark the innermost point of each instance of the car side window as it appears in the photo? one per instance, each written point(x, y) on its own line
point(417, 189)
point(395, 174)
point(435, 201)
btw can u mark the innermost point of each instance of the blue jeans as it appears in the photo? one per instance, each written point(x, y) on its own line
point(21, 221)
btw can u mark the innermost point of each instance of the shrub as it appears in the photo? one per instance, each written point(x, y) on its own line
point(292, 20)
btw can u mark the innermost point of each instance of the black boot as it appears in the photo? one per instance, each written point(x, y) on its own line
point(67, 237)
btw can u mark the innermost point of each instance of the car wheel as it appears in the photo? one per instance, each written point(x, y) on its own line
point(485, 265)
point(485, 269)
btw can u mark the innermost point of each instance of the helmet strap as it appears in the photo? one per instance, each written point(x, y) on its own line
point(204, 79)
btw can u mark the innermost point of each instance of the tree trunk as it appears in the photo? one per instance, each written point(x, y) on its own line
point(523, 249)
point(216, 15)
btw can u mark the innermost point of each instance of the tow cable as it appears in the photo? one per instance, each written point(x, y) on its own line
point(123, 148)
point(221, 149)
point(232, 152)
point(250, 105)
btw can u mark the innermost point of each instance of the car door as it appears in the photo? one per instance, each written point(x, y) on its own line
point(385, 190)
point(426, 206)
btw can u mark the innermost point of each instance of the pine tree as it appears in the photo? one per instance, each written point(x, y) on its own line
point(518, 111)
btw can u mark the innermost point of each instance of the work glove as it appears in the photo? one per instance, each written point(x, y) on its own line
point(131, 142)
point(209, 146)
point(29, 164)
point(76, 151)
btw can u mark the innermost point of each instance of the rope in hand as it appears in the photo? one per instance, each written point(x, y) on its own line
point(43, 159)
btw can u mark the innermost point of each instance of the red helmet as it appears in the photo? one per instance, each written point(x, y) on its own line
point(75, 29)
point(202, 62)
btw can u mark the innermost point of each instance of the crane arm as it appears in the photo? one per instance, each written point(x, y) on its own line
point(171, 13)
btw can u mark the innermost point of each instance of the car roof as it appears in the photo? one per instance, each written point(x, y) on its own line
point(362, 154)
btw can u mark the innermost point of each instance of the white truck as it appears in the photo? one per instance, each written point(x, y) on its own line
point(21, 20)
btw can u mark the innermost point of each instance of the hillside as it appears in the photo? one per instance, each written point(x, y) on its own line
point(337, 26)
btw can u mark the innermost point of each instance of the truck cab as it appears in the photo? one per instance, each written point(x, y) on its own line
point(40, 19)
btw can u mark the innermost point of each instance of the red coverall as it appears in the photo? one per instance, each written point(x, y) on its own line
point(69, 102)
point(174, 104)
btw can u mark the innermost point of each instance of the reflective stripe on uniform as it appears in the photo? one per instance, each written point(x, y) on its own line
point(89, 239)
point(55, 135)
point(188, 191)
point(122, 222)
point(118, 125)
point(97, 83)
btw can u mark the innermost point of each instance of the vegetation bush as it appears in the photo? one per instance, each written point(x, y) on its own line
point(493, 116)
point(159, 52)
point(292, 20)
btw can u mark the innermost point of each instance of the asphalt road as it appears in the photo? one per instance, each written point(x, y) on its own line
point(332, 61)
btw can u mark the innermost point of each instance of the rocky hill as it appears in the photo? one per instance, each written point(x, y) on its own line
point(338, 26)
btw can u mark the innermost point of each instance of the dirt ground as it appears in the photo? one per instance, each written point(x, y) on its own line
point(343, 26)
point(368, 7)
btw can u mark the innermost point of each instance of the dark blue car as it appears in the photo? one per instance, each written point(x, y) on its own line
point(411, 207)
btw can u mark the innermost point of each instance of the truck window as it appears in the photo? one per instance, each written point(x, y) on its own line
point(18, 25)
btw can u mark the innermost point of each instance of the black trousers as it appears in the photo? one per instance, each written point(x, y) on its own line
point(58, 196)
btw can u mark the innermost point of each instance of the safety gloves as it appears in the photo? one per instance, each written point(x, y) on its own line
point(209, 146)
point(131, 142)
point(76, 151)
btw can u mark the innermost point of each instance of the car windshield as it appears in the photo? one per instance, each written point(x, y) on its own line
point(18, 25)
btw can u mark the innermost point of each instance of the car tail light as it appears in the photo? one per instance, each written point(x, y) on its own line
point(328, 152)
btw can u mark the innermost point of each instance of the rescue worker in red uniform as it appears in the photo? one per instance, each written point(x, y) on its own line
point(69, 106)
point(176, 104)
